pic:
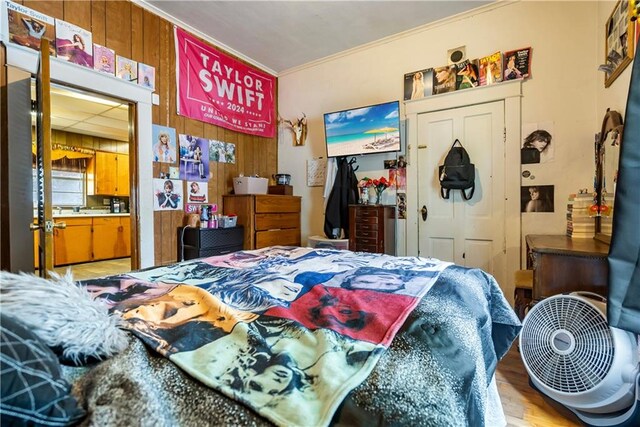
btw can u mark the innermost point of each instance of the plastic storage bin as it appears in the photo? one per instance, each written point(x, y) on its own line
point(250, 185)
point(323, 242)
point(228, 221)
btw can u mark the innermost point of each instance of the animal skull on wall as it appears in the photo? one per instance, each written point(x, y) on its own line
point(299, 129)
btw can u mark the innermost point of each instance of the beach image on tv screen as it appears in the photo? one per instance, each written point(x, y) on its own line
point(366, 130)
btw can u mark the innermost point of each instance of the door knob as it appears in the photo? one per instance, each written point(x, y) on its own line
point(425, 212)
point(61, 224)
point(34, 227)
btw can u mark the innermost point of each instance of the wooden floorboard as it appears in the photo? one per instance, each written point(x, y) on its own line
point(91, 270)
point(523, 406)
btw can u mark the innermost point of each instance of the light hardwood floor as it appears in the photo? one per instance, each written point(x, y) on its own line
point(91, 270)
point(523, 406)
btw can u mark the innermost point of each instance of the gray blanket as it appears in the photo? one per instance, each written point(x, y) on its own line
point(435, 373)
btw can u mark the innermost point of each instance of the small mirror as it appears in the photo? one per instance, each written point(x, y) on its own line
point(607, 160)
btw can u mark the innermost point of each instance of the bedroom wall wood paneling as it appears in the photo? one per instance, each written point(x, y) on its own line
point(144, 37)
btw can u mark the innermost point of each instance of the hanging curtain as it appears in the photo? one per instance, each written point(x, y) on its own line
point(623, 308)
point(67, 158)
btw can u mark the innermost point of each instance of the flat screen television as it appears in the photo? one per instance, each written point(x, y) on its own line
point(366, 130)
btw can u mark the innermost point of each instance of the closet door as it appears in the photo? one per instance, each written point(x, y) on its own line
point(469, 233)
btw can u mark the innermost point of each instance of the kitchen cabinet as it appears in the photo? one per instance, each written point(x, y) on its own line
point(108, 174)
point(88, 239)
point(72, 245)
point(267, 219)
point(111, 238)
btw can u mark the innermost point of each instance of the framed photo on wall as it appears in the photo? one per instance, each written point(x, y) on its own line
point(619, 41)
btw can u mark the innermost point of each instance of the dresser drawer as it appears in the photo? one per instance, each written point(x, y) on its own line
point(289, 237)
point(210, 238)
point(277, 220)
point(367, 248)
point(277, 203)
point(366, 212)
point(366, 234)
point(371, 220)
point(365, 241)
point(367, 225)
point(192, 252)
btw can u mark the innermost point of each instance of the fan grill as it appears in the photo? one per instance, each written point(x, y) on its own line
point(567, 344)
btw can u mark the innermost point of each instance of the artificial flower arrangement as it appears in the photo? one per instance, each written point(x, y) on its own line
point(379, 185)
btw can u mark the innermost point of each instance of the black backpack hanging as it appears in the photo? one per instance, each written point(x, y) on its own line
point(457, 172)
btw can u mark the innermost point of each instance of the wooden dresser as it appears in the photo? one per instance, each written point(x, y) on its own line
point(372, 228)
point(268, 219)
point(561, 264)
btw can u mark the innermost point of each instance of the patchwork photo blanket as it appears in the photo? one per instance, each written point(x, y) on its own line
point(287, 331)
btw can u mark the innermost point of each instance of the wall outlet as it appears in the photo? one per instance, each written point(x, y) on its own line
point(106, 202)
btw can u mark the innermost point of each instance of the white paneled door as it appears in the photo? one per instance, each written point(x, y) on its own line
point(469, 233)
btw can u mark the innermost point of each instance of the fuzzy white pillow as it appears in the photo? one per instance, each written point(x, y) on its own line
point(63, 314)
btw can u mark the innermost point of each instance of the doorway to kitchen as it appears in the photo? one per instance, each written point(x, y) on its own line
point(90, 182)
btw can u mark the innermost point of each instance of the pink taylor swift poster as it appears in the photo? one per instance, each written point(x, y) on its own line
point(217, 89)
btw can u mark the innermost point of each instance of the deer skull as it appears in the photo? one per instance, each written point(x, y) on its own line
point(299, 129)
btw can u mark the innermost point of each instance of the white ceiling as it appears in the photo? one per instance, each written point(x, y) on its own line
point(87, 114)
point(280, 35)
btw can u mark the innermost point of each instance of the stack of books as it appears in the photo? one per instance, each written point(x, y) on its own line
point(581, 223)
point(606, 218)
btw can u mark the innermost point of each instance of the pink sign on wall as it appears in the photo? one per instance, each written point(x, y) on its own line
point(217, 89)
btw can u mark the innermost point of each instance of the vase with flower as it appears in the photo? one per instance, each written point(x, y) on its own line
point(379, 186)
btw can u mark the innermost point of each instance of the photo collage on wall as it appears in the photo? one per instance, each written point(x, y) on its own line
point(538, 146)
point(222, 152)
point(398, 182)
point(26, 27)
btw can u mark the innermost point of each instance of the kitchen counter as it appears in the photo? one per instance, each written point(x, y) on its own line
point(82, 215)
point(89, 215)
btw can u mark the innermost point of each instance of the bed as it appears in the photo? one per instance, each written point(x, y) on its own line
point(300, 336)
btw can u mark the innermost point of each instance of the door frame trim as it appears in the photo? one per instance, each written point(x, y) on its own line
point(511, 94)
point(87, 79)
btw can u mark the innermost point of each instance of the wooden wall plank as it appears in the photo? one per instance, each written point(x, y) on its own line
point(137, 33)
point(140, 35)
point(54, 9)
point(98, 21)
point(118, 27)
point(78, 13)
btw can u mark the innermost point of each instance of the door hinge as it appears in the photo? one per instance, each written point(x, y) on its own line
point(504, 135)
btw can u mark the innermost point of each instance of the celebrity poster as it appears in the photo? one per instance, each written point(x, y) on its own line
point(538, 145)
point(164, 144)
point(104, 59)
point(197, 192)
point(194, 158)
point(167, 195)
point(217, 89)
point(74, 44)
point(27, 27)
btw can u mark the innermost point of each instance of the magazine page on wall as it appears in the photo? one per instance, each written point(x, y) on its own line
point(27, 27)
point(74, 44)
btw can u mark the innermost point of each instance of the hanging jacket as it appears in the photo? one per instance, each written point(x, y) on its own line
point(343, 193)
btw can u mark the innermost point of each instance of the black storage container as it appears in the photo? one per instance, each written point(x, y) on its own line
point(206, 242)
